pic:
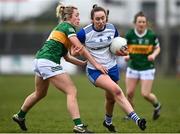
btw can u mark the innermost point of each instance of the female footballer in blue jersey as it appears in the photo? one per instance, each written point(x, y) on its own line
point(97, 37)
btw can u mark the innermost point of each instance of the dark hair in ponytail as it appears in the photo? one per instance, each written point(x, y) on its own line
point(97, 8)
point(139, 14)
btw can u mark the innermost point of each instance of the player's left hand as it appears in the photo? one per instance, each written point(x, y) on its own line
point(74, 50)
point(101, 68)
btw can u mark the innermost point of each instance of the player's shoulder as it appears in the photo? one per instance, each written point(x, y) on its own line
point(64, 25)
point(151, 32)
point(88, 28)
point(65, 28)
point(130, 32)
point(110, 26)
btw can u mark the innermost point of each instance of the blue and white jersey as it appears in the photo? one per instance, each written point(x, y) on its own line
point(98, 42)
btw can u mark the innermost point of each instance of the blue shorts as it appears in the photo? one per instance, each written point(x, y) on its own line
point(94, 74)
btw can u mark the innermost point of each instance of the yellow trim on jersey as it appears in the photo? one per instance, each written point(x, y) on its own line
point(140, 49)
point(60, 37)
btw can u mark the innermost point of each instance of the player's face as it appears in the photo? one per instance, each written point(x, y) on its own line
point(141, 24)
point(75, 20)
point(99, 20)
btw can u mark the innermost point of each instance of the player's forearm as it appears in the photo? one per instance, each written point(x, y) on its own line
point(156, 52)
point(88, 56)
point(74, 60)
point(77, 62)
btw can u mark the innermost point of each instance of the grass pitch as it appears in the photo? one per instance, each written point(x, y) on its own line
point(50, 115)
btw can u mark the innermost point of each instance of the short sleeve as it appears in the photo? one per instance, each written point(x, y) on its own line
point(81, 35)
point(116, 33)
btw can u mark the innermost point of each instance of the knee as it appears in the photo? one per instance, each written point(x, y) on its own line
point(130, 94)
point(117, 92)
point(72, 93)
point(40, 95)
point(145, 95)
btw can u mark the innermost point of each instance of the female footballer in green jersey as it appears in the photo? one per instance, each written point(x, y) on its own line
point(143, 47)
point(61, 43)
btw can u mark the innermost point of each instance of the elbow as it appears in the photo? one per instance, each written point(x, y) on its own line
point(159, 49)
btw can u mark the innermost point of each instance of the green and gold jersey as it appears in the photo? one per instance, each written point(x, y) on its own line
point(140, 47)
point(58, 43)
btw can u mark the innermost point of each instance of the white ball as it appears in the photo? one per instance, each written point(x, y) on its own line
point(118, 43)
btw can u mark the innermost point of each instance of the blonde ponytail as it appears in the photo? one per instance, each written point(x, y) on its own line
point(60, 10)
point(64, 12)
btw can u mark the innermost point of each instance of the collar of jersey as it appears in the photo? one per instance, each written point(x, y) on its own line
point(98, 30)
point(140, 35)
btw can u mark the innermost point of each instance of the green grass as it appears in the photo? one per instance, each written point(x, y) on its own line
point(50, 114)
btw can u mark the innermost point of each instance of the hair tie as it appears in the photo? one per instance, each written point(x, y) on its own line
point(107, 12)
point(95, 5)
point(62, 8)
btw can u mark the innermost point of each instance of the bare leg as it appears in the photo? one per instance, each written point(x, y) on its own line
point(130, 89)
point(41, 87)
point(109, 106)
point(112, 87)
point(63, 83)
point(146, 91)
point(109, 103)
point(105, 82)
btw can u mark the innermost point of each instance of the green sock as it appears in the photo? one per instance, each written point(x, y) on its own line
point(156, 104)
point(21, 114)
point(77, 122)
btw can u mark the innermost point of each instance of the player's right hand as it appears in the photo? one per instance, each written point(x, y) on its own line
point(101, 68)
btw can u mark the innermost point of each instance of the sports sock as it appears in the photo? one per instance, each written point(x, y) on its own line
point(134, 117)
point(108, 119)
point(78, 122)
point(21, 114)
point(157, 104)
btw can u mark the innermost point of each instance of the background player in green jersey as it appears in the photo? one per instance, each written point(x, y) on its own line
point(48, 69)
point(143, 47)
